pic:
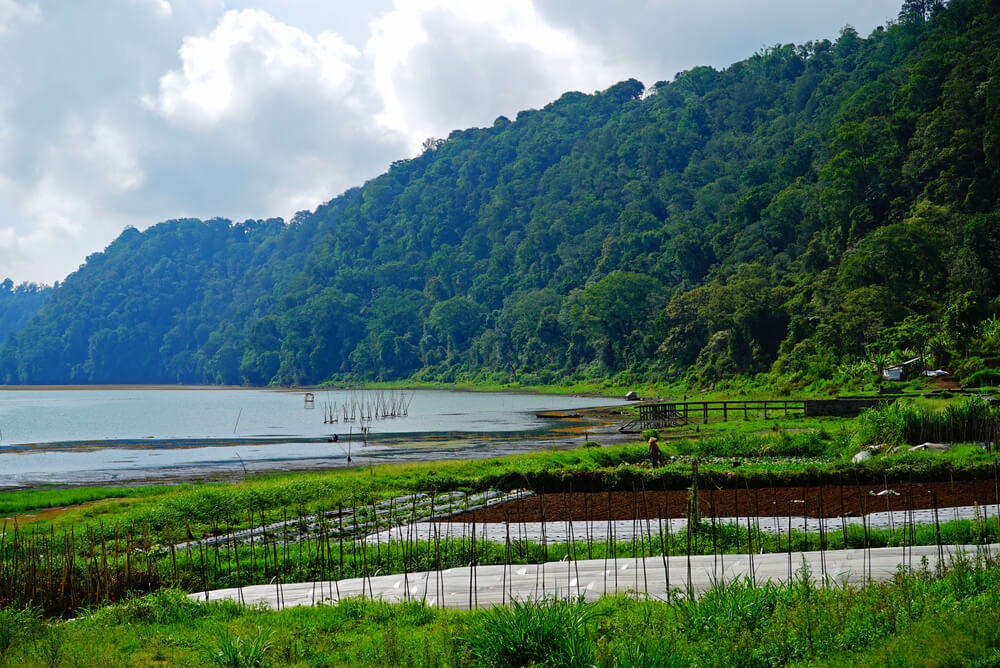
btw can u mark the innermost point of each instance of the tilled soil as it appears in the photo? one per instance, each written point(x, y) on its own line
point(823, 501)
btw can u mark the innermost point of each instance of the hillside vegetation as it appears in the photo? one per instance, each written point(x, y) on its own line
point(812, 210)
point(18, 304)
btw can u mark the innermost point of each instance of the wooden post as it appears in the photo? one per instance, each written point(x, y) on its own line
point(725, 411)
point(746, 413)
point(705, 408)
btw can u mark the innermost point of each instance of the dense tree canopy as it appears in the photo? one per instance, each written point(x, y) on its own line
point(794, 210)
point(18, 304)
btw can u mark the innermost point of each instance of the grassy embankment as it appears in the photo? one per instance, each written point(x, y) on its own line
point(760, 386)
point(23, 501)
point(947, 618)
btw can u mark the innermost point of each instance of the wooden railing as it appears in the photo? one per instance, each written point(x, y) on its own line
point(680, 413)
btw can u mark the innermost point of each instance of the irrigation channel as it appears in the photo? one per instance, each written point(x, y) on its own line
point(484, 547)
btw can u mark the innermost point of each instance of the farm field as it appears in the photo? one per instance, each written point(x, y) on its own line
point(785, 506)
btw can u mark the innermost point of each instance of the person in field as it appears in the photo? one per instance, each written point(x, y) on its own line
point(655, 456)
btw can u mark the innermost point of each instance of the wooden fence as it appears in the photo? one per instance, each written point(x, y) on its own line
point(681, 413)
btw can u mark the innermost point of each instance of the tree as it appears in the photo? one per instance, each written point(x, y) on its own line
point(455, 321)
point(919, 11)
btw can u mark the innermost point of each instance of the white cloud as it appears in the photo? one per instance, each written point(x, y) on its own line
point(652, 41)
point(13, 12)
point(82, 171)
point(246, 56)
point(292, 111)
point(108, 153)
point(126, 112)
point(444, 64)
point(162, 8)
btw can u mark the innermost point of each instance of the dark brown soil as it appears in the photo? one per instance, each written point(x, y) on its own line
point(826, 501)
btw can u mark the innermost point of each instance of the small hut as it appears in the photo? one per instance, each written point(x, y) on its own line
point(903, 370)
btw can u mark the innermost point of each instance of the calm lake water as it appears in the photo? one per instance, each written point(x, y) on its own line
point(115, 435)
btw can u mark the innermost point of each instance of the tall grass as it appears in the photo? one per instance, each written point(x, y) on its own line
point(904, 423)
point(232, 651)
point(550, 633)
point(781, 444)
point(16, 624)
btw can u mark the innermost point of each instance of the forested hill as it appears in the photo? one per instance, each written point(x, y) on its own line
point(18, 304)
point(796, 211)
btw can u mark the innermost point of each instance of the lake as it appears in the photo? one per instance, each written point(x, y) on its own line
point(102, 435)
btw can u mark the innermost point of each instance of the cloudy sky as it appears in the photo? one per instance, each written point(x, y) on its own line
point(128, 112)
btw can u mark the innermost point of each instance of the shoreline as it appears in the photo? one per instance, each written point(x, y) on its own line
point(563, 420)
point(535, 390)
point(234, 471)
point(565, 433)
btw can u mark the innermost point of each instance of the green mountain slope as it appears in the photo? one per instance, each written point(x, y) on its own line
point(18, 304)
point(799, 210)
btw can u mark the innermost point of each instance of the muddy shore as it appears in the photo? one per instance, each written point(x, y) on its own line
point(563, 432)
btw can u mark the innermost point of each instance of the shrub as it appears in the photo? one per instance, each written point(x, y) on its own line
point(784, 444)
point(18, 624)
point(553, 633)
point(890, 425)
point(168, 606)
point(989, 336)
point(983, 378)
point(970, 420)
point(969, 367)
point(235, 652)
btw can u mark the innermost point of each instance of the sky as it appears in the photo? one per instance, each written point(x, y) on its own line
point(130, 112)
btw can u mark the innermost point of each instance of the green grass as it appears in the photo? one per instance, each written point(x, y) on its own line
point(21, 501)
point(947, 618)
point(906, 422)
point(745, 386)
point(320, 557)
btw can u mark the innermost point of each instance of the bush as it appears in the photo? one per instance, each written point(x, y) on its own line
point(650, 433)
point(983, 378)
point(591, 444)
point(784, 444)
point(18, 624)
point(889, 425)
point(168, 606)
point(903, 422)
point(235, 652)
point(553, 633)
point(970, 367)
